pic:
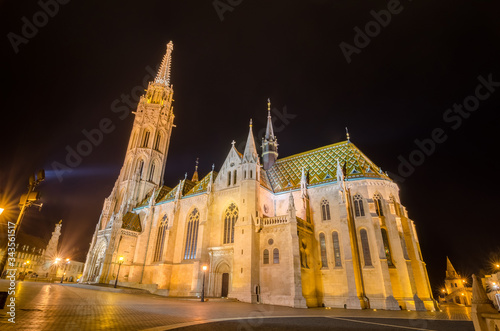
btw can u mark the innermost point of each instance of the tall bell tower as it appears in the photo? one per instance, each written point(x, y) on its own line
point(147, 149)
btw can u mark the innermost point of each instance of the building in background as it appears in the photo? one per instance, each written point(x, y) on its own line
point(456, 289)
point(321, 228)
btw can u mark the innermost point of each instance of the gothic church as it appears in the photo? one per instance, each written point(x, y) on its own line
point(321, 228)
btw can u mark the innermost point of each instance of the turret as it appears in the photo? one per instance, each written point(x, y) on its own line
point(269, 142)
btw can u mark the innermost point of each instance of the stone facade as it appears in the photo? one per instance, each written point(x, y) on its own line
point(320, 228)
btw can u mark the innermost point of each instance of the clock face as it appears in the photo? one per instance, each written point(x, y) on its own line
point(266, 208)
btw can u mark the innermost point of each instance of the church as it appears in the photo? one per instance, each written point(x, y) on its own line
point(322, 228)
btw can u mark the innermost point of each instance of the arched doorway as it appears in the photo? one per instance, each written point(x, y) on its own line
point(221, 280)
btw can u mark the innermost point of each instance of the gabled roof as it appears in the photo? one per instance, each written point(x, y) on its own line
point(201, 186)
point(159, 194)
point(321, 166)
point(132, 222)
point(185, 186)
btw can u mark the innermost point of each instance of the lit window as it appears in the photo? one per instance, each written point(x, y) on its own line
point(145, 140)
point(358, 206)
point(151, 172)
point(192, 235)
point(160, 239)
point(322, 245)
point(157, 141)
point(377, 199)
point(336, 249)
point(230, 218)
point(325, 210)
point(387, 248)
point(276, 256)
point(265, 256)
point(365, 247)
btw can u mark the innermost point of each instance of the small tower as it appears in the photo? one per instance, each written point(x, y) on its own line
point(195, 174)
point(453, 280)
point(269, 142)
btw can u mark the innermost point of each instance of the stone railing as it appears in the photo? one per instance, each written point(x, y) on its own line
point(267, 221)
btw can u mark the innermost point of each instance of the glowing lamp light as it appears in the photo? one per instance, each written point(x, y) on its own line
point(204, 268)
point(1, 211)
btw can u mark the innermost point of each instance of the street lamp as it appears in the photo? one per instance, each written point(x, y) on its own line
point(25, 265)
point(64, 273)
point(204, 268)
point(120, 261)
point(1, 211)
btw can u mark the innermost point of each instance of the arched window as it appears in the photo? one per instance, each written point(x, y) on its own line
point(265, 256)
point(230, 218)
point(145, 140)
point(365, 248)
point(322, 246)
point(387, 248)
point(228, 178)
point(157, 141)
point(336, 249)
point(160, 238)
point(358, 206)
point(140, 168)
point(325, 210)
point(276, 256)
point(192, 235)
point(377, 199)
point(151, 172)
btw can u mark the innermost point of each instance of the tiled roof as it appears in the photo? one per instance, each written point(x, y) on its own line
point(321, 166)
point(201, 186)
point(132, 222)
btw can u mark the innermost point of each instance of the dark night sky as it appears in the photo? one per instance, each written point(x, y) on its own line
point(66, 77)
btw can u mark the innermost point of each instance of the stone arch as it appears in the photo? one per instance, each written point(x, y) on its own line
point(218, 278)
point(97, 260)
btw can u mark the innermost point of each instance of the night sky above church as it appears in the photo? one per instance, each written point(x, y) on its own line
point(417, 83)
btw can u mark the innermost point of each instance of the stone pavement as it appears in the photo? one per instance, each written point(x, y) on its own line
point(45, 306)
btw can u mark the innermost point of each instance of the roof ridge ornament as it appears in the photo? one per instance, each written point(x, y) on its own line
point(347, 135)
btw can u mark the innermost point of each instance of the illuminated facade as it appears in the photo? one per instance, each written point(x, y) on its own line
point(324, 227)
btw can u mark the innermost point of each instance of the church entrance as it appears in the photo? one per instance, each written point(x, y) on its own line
point(225, 285)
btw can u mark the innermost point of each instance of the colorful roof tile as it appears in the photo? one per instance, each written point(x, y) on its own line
point(321, 166)
point(132, 222)
point(201, 186)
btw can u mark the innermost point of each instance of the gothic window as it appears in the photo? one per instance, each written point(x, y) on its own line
point(322, 245)
point(160, 238)
point(365, 247)
point(157, 141)
point(151, 172)
point(234, 177)
point(377, 199)
point(230, 218)
point(145, 140)
point(387, 248)
point(336, 249)
point(251, 174)
point(192, 235)
point(228, 178)
point(325, 210)
point(141, 167)
point(403, 244)
point(265, 256)
point(358, 205)
point(276, 256)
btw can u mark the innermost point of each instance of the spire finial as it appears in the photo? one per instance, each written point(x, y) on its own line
point(347, 134)
point(163, 75)
point(269, 106)
point(195, 174)
point(250, 122)
point(213, 166)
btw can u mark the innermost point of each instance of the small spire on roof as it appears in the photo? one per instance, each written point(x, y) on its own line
point(195, 174)
point(347, 134)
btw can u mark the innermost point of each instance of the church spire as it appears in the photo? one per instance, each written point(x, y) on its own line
point(451, 273)
point(269, 142)
point(163, 76)
point(250, 153)
point(195, 174)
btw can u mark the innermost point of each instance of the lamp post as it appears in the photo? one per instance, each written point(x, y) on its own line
point(27, 200)
point(25, 265)
point(204, 268)
point(120, 261)
point(64, 273)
